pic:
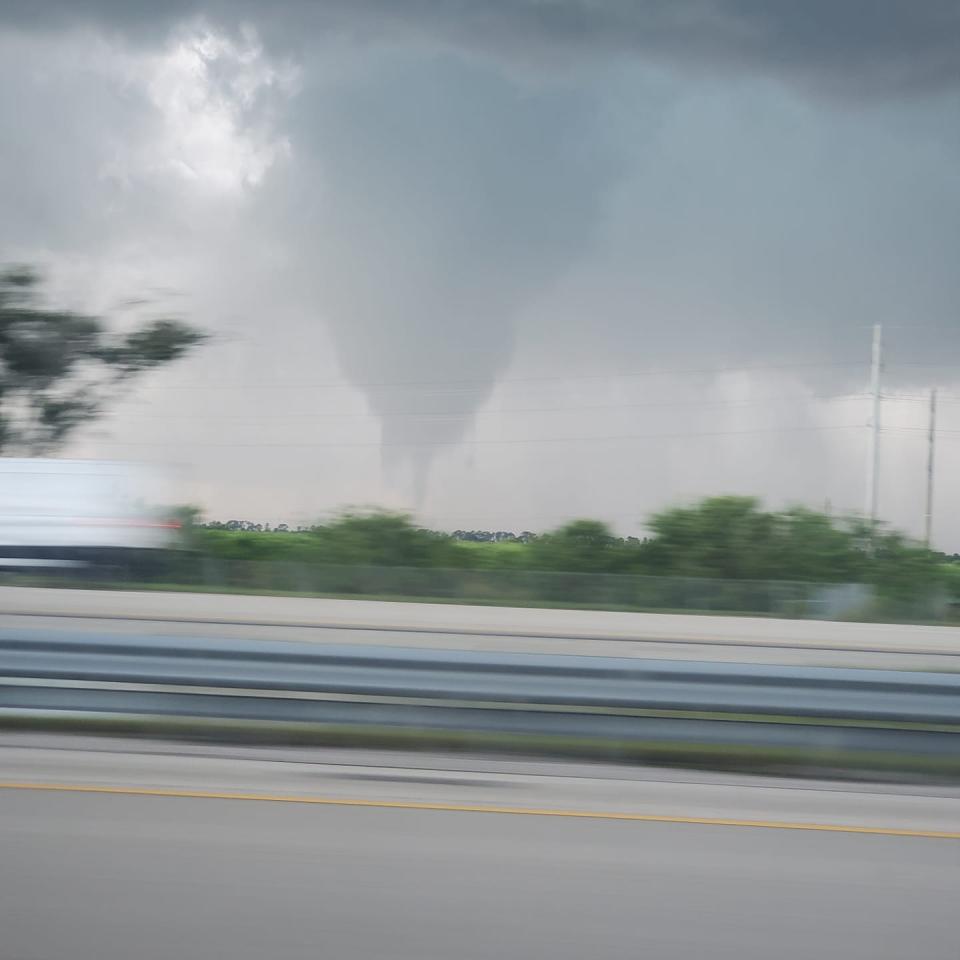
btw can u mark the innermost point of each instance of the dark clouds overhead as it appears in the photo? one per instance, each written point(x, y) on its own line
point(414, 194)
point(853, 48)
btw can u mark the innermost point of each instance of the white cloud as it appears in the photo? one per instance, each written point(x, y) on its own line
point(214, 101)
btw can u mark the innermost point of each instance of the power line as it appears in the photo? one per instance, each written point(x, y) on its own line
point(465, 415)
point(873, 450)
point(909, 398)
point(939, 432)
point(471, 442)
point(485, 383)
point(935, 364)
point(931, 468)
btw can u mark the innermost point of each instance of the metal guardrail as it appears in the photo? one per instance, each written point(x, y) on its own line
point(577, 696)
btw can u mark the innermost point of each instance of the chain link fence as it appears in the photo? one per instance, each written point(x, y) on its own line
point(530, 588)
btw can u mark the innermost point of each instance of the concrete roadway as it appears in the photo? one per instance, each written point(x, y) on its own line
point(491, 629)
point(395, 867)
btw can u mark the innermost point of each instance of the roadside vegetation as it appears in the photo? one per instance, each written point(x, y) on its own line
point(720, 538)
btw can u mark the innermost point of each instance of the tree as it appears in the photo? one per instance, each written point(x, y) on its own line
point(734, 539)
point(381, 538)
point(583, 546)
point(58, 369)
point(814, 547)
point(905, 573)
point(729, 537)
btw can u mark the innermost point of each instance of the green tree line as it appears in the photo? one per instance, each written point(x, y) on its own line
point(732, 538)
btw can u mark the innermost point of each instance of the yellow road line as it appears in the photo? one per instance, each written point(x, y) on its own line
point(480, 808)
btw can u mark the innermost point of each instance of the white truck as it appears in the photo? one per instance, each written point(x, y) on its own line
point(80, 514)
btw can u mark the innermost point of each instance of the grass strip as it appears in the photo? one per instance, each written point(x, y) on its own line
point(817, 761)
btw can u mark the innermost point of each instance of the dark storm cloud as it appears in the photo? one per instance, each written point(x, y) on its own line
point(456, 205)
point(453, 199)
point(846, 47)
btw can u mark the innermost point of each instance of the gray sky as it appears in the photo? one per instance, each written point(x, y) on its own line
point(505, 263)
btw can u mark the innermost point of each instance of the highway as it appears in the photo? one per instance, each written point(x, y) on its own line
point(91, 655)
point(606, 697)
point(111, 849)
point(380, 857)
point(611, 698)
point(486, 629)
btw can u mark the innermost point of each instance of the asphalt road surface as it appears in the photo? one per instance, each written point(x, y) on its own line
point(114, 876)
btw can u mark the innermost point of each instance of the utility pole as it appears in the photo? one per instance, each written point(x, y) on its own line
point(931, 455)
point(873, 446)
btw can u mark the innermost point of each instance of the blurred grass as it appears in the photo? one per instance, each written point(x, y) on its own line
point(813, 762)
point(149, 586)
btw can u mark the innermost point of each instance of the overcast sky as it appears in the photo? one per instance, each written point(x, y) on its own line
point(505, 263)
